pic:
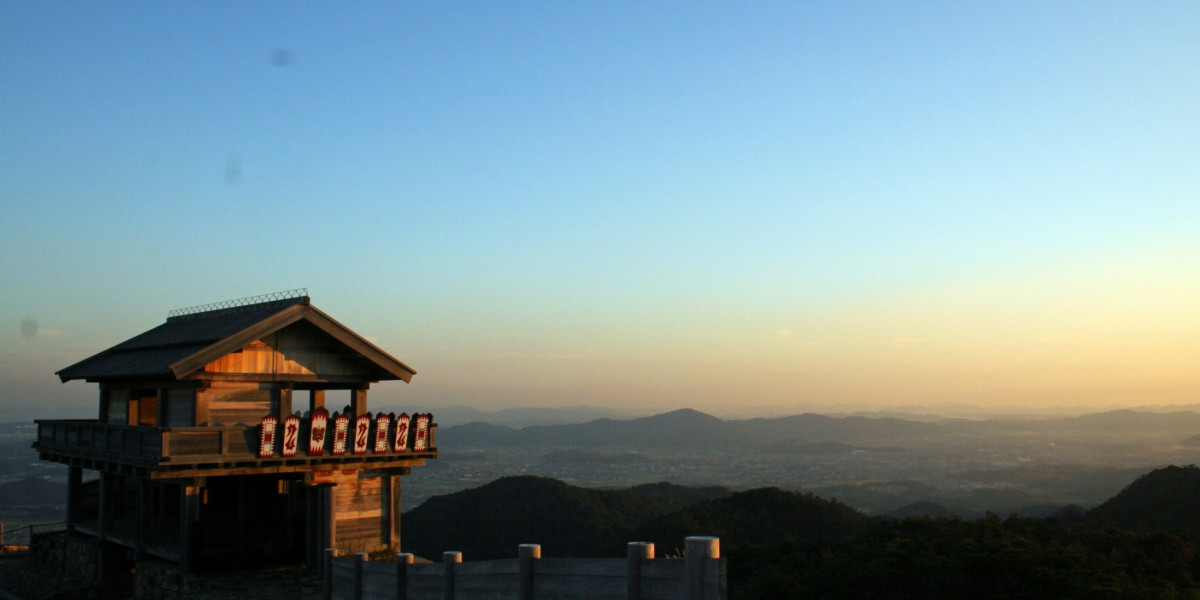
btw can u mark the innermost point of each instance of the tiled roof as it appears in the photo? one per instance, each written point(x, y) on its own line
point(186, 343)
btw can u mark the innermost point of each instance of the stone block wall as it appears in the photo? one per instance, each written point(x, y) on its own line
point(76, 557)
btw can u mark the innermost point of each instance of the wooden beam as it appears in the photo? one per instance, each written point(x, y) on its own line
point(358, 402)
point(74, 486)
point(145, 501)
point(391, 508)
point(281, 401)
point(160, 408)
point(189, 513)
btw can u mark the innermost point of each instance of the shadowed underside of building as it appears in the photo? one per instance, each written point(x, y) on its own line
point(214, 446)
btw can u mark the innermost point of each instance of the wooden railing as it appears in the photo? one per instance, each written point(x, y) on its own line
point(172, 447)
point(699, 575)
point(126, 444)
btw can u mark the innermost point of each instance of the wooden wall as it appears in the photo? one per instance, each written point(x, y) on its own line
point(181, 407)
point(114, 406)
point(299, 349)
point(366, 510)
point(232, 403)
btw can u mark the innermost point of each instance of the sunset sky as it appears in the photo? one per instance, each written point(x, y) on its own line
point(643, 206)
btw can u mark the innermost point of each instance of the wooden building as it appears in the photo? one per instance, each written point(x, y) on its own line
point(238, 434)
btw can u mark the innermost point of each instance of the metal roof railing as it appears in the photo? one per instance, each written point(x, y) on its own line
point(238, 302)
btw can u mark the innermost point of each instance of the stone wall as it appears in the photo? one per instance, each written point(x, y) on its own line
point(76, 557)
point(160, 580)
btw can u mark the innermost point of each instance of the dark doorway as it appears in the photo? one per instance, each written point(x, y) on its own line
point(250, 521)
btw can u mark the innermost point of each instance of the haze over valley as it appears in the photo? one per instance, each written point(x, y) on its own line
point(890, 465)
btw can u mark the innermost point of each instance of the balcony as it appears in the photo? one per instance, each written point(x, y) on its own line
point(173, 452)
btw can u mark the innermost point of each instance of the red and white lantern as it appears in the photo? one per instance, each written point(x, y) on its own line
point(291, 436)
point(316, 432)
point(362, 433)
point(266, 437)
point(401, 442)
point(421, 439)
point(382, 425)
point(341, 425)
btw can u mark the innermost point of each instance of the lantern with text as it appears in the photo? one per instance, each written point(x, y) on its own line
point(362, 432)
point(266, 437)
point(341, 426)
point(316, 432)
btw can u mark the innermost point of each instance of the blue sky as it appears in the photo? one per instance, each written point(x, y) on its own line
point(638, 205)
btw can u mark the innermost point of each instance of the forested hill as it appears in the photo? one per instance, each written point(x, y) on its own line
point(784, 544)
point(1162, 500)
point(492, 520)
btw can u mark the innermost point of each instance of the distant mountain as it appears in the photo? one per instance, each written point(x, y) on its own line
point(690, 428)
point(476, 435)
point(1111, 423)
point(687, 428)
point(27, 429)
point(680, 494)
point(1162, 500)
point(492, 520)
point(32, 491)
point(759, 516)
point(684, 427)
point(820, 428)
point(526, 416)
point(922, 509)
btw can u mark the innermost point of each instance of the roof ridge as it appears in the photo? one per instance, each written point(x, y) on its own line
point(239, 305)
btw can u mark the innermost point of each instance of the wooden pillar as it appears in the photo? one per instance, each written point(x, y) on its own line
point(358, 402)
point(390, 484)
point(189, 514)
point(107, 496)
point(450, 558)
point(312, 537)
point(635, 553)
point(329, 515)
point(526, 554)
point(327, 569)
point(103, 414)
point(103, 568)
point(145, 503)
point(281, 402)
point(160, 408)
point(359, 560)
point(403, 560)
point(200, 415)
point(316, 399)
point(697, 548)
point(74, 487)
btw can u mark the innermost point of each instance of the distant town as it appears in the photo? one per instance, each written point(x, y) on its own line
point(878, 465)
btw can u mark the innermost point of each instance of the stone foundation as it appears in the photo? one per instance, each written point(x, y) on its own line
point(76, 557)
point(159, 580)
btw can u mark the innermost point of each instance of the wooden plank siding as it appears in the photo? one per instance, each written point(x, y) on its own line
point(298, 350)
point(180, 410)
point(361, 511)
point(234, 403)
